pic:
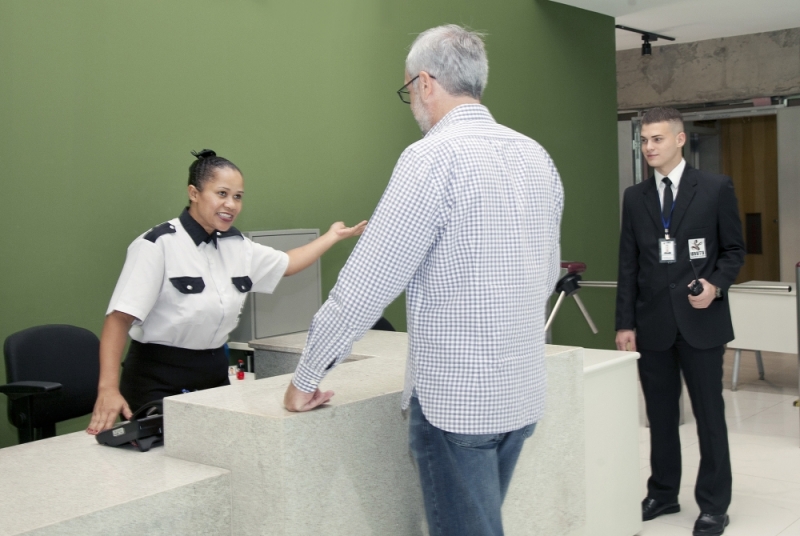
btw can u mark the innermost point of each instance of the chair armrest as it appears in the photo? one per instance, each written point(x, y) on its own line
point(21, 389)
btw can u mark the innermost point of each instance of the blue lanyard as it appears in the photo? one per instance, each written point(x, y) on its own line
point(666, 222)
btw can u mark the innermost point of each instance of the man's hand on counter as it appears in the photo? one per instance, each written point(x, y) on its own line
point(297, 400)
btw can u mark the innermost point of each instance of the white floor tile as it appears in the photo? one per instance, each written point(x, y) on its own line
point(756, 517)
point(750, 516)
point(780, 493)
point(764, 437)
point(779, 441)
point(793, 530)
point(742, 404)
point(782, 419)
point(656, 528)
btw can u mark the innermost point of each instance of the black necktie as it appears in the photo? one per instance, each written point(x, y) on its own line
point(666, 208)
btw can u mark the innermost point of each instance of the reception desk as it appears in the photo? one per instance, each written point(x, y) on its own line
point(609, 439)
point(236, 462)
point(346, 468)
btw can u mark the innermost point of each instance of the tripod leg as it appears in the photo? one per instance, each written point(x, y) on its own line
point(585, 314)
point(555, 310)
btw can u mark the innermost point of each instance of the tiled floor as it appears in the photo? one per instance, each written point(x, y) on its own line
point(764, 435)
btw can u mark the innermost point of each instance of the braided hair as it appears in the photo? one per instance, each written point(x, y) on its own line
point(203, 168)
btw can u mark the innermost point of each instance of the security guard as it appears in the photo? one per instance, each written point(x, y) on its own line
point(180, 293)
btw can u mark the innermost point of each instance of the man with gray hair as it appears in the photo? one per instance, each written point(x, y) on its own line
point(469, 227)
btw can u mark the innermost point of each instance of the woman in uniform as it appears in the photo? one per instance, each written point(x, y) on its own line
point(180, 293)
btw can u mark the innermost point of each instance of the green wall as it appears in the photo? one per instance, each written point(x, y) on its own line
point(103, 100)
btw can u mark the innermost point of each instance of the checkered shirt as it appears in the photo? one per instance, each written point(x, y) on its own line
point(469, 227)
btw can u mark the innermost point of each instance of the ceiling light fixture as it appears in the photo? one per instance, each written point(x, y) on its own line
point(646, 38)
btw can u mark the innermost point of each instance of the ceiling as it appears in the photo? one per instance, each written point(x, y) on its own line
point(693, 20)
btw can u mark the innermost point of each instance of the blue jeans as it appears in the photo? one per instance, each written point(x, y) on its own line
point(464, 477)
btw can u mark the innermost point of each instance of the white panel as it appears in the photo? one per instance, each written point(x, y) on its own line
point(613, 476)
point(296, 299)
point(762, 319)
point(789, 190)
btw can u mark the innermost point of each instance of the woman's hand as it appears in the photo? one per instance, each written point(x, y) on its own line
point(106, 409)
point(304, 256)
point(342, 231)
point(109, 401)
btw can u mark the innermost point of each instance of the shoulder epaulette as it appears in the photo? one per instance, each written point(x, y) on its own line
point(165, 228)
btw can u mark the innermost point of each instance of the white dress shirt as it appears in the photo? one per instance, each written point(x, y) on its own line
point(186, 288)
point(469, 227)
point(674, 176)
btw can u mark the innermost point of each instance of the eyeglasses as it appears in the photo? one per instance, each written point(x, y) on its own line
point(403, 91)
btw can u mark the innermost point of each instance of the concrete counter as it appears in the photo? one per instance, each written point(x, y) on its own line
point(236, 462)
point(71, 485)
point(279, 355)
point(346, 468)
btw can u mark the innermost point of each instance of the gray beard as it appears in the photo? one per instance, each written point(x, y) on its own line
point(421, 115)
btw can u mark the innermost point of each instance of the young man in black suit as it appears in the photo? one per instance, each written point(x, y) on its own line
point(678, 218)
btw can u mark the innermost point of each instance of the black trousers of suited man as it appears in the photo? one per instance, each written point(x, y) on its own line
point(660, 374)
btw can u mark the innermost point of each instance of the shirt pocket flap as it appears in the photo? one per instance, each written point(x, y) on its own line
point(188, 285)
point(242, 284)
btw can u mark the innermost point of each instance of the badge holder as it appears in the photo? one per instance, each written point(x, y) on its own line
point(568, 286)
point(144, 429)
point(666, 250)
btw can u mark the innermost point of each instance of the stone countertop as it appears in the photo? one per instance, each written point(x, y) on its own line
point(55, 480)
point(374, 344)
point(394, 344)
point(381, 362)
point(264, 397)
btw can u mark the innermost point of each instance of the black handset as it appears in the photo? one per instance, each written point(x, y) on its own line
point(144, 429)
point(696, 288)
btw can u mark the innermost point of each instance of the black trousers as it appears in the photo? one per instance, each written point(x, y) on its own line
point(660, 373)
point(152, 371)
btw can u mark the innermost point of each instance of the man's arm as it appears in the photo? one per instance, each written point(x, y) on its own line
point(555, 228)
point(628, 269)
point(396, 241)
point(731, 248)
point(731, 243)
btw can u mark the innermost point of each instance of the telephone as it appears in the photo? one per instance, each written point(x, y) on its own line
point(144, 429)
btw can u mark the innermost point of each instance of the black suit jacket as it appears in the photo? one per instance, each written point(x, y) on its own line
point(652, 297)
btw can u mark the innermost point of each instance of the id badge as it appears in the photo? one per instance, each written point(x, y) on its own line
point(697, 248)
point(666, 250)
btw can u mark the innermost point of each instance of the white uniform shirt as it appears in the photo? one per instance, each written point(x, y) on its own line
point(469, 228)
point(186, 288)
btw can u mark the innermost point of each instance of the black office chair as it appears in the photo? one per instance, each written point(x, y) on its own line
point(52, 374)
point(383, 325)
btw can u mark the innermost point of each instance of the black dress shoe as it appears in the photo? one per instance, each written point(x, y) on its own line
point(652, 508)
point(709, 525)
